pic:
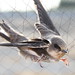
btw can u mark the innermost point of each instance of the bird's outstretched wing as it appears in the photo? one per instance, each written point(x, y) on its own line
point(27, 44)
point(31, 49)
point(43, 16)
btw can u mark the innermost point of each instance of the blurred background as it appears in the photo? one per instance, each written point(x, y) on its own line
point(20, 15)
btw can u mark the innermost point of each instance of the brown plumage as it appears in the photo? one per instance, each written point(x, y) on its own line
point(50, 47)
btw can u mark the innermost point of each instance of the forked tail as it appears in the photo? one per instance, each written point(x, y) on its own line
point(12, 35)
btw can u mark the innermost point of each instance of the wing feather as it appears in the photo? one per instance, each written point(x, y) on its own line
point(43, 16)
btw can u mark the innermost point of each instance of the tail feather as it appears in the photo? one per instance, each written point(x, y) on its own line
point(4, 36)
point(13, 36)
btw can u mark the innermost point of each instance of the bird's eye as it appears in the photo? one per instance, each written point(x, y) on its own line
point(57, 47)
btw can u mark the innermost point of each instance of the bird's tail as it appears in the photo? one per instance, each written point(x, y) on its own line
point(9, 34)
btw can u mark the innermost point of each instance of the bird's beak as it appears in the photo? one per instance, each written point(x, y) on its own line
point(65, 51)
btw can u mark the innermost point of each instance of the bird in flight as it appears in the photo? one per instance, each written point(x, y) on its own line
point(50, 46)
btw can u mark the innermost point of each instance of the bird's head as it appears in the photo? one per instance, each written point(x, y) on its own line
point(58, 48)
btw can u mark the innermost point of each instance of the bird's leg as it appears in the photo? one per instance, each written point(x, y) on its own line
point(40, 59)
point(41, 65)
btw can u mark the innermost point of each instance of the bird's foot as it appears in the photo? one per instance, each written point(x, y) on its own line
point(41, 59)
